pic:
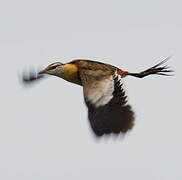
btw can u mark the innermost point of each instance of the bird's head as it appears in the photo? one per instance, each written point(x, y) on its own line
point(68, 71)
point(53, 69)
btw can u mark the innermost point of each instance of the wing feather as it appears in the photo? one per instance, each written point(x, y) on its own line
point(105, 98)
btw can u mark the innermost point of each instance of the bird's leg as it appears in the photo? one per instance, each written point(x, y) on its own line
point(157, 69)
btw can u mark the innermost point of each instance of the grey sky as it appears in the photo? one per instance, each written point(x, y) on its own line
point(44, 132)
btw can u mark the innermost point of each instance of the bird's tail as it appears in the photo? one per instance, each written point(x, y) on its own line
point(157, 69)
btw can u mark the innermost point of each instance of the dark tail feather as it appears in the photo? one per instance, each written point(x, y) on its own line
point(157, 69)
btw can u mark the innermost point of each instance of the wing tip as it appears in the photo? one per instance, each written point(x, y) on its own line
point(120, 124)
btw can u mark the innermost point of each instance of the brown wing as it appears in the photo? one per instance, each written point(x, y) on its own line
point(106, 101)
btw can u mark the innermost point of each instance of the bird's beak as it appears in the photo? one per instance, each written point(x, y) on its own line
point(43, 71)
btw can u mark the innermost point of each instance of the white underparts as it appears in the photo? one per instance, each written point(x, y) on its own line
point(100, 93)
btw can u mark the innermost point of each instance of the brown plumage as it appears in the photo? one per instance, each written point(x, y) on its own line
point(108, 111)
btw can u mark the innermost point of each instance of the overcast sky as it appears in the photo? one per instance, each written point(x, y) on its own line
point(44, 133)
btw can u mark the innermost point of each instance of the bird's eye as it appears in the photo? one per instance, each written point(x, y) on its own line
point(53, 67)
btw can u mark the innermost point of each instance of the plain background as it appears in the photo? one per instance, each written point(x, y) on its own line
point(44, 132)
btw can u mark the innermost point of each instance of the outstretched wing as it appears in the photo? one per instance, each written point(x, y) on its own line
point(106, 102)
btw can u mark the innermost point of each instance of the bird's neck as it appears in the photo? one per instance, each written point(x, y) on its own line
point(70, 73)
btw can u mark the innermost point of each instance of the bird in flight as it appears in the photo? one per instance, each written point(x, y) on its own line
point(108, 111)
